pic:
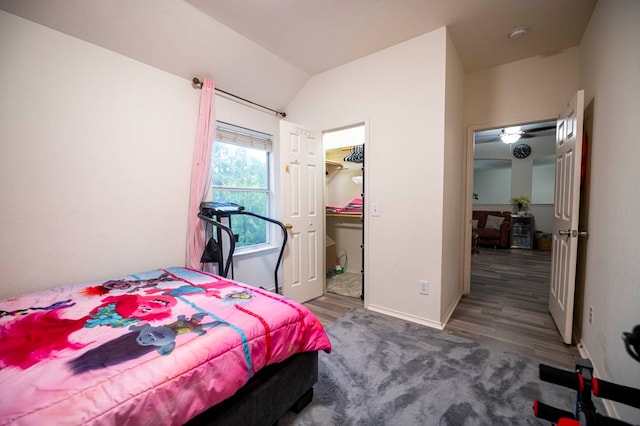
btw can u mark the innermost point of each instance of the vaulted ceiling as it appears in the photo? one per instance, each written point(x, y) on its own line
point(318, 35)
point(267, 49)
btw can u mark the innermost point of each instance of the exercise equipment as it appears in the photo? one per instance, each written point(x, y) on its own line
point(213, 213)
point(582, 381)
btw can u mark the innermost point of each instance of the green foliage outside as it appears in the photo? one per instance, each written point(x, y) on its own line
point(240, 175)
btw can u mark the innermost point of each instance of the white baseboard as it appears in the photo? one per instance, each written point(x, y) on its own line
point(450, 311)
point(403, 316)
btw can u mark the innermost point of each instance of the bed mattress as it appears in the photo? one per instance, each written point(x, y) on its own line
point(157, 347)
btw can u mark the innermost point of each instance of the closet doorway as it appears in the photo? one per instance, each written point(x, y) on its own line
point(344, 199)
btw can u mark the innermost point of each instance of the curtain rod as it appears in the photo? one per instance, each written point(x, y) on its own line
point(197, 84)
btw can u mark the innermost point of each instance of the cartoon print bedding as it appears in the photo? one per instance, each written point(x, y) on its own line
point(156, 348)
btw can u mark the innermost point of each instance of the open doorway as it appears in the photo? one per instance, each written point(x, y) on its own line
point(513, 183)
point(344, 198)
point(508, 295)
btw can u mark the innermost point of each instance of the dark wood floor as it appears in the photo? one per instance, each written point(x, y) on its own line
point(508, 306)
point(332, 306)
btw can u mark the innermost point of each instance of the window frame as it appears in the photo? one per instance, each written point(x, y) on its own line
point(250, 139)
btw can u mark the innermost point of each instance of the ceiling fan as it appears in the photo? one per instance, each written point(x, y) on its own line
point(511, 135)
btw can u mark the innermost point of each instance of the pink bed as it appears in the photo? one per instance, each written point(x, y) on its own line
point(158, 347)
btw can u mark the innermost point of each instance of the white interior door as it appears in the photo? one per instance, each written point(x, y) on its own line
point(302, 171)
point(566, 214)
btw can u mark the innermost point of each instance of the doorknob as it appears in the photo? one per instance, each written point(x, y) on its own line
point(573, 233)
point(288, 225)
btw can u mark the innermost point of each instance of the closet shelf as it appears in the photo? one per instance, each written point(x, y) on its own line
point(333, 165)
point(349, 215)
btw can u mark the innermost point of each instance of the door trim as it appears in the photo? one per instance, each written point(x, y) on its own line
point(468, 170)
point(367, 186)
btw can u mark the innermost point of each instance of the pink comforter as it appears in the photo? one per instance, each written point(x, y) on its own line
point(152, 348)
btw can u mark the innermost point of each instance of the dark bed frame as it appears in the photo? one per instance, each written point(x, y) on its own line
point(268, 395)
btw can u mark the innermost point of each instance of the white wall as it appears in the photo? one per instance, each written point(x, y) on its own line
point(610, 64)
point(347, 234)
point(543, 182)
point(341, 188)
point(96, 159)
point(499, 183)
point(96, 162)
point(493, 185)
point(401, 91)
point(530, 90)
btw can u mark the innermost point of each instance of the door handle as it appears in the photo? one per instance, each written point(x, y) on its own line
point(573, 233)
point(288, 225)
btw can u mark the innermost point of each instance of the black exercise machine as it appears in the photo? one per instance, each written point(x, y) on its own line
point(582, 381)
point(213, 213)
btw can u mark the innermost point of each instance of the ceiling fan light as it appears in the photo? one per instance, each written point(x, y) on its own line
point(509, 138)
point(510, 135)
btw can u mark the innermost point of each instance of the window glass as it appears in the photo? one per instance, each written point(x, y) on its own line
point(239, 166)
point(240, 175)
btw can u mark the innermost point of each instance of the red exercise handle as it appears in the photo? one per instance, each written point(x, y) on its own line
point(568, 422)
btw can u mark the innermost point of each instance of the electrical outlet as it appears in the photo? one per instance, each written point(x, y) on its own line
point(590, 314)
point(423, 287)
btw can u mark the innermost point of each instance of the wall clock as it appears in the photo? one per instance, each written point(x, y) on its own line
point(521, 151)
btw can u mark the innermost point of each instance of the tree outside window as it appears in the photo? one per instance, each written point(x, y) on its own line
point(240, 175)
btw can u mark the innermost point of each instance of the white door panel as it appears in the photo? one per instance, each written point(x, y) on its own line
point(302, 207)
point(566, 214)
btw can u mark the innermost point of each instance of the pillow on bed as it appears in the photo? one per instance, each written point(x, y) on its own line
point(474, 223)
point(494, 222)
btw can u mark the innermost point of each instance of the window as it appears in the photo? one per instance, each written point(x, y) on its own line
point(240, 174)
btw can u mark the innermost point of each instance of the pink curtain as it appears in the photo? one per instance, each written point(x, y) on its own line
point(200, 174)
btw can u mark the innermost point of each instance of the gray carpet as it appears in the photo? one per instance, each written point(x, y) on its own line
point(385, 371)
